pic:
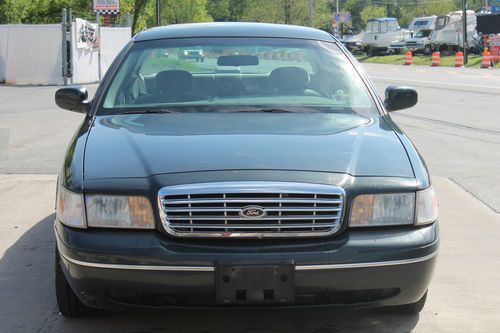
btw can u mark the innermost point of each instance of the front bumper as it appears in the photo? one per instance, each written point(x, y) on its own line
point(359, 268)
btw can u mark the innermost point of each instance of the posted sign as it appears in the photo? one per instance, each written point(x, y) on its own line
point(343, 17)
point(495, 47)
point(107, 6)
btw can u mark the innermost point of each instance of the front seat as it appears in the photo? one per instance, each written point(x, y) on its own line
point(174, 86)
point(290, 81)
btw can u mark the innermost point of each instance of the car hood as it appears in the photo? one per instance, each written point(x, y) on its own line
point(144, 145)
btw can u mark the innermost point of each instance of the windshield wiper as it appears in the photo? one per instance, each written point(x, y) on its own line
point(271, 110)
point(152, 111)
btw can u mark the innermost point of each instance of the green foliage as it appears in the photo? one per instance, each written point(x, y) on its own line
point(184, 11)
point(277, 11)
point(371, 12)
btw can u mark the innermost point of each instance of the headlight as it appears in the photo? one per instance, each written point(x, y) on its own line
point(69, 208)
point(383, 209)
point(427, 206)
point(394, 209)
point(112, 211)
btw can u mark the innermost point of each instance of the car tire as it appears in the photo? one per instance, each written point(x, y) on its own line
point(68, 302)
point(411, 309)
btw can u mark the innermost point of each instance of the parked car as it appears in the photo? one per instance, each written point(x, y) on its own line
point(285, 184)
point(380, 33)
point(193, 54)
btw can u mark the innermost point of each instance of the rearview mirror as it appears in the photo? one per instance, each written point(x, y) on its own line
point(72, 99)
point(400, 97)
point(237, 60)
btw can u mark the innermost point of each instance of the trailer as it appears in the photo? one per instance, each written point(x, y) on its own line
point(421, 28)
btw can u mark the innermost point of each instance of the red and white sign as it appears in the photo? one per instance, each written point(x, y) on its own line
point(107, 6)
point(495, 47)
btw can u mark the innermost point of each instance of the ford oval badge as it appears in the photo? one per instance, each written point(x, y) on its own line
point(254, 212)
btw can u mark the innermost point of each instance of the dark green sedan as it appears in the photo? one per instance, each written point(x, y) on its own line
point(268, 175)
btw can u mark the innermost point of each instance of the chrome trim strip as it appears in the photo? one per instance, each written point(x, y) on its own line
point(139, 267)
point(366, 264)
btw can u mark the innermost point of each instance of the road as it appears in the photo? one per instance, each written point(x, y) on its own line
point(456, 127)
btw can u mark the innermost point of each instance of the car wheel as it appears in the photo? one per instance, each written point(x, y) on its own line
point(412, 308)
point(68, 302)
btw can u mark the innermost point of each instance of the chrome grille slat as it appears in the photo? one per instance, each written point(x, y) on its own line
point(267, 218)
point(254, 226)
point(272, 209)
point(218, 209)
point(251, 200)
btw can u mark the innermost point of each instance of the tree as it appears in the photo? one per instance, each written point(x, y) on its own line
point(184, 11)
point(372, 12)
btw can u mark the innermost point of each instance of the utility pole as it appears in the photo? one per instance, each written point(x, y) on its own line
point(64, 22)
point(464, 30)
point(158, 13)
point(311, 13)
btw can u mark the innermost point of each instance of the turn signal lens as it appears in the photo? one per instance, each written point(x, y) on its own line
point(427, 206)
point(383, 209)
point(69, 208)
point(109, 211)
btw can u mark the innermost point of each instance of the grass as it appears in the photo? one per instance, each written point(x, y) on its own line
point(474, 60)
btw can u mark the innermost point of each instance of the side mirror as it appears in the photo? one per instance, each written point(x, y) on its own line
point(400, 97)
point(73, 99)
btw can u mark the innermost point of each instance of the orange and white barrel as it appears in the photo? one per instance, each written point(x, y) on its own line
point(459, 59)
point(486, 59)
point(299, 56)
point(408, 58)
point(435, 59)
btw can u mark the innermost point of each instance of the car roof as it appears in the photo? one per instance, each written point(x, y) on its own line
point(233, 29)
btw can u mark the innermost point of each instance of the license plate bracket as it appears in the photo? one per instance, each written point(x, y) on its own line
point(255, 284)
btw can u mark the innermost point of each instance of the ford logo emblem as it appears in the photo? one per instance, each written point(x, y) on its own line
point(254, 212)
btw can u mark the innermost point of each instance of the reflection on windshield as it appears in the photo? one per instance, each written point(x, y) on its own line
point(197, 73)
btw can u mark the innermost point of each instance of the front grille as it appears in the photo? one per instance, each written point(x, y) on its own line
point(251, 209)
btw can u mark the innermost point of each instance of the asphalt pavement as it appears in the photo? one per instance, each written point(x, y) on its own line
point(456, 127)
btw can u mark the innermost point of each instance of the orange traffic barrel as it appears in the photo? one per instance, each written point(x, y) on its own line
point(408, 58)
point(291, 56)
point(435, 59)
point(486, 59)
point(299, 56)
point(269, 55)
point(459, 59)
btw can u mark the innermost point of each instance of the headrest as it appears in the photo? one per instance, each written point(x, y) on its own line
point(289, 78)
point(174, 80)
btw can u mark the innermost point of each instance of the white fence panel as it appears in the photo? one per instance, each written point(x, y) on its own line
point(84, 61)
point(112, 42)
point(34, 54)
point(4, 38)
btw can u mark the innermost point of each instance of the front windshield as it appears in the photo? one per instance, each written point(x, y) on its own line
point(229, 74)
point(423, 33)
